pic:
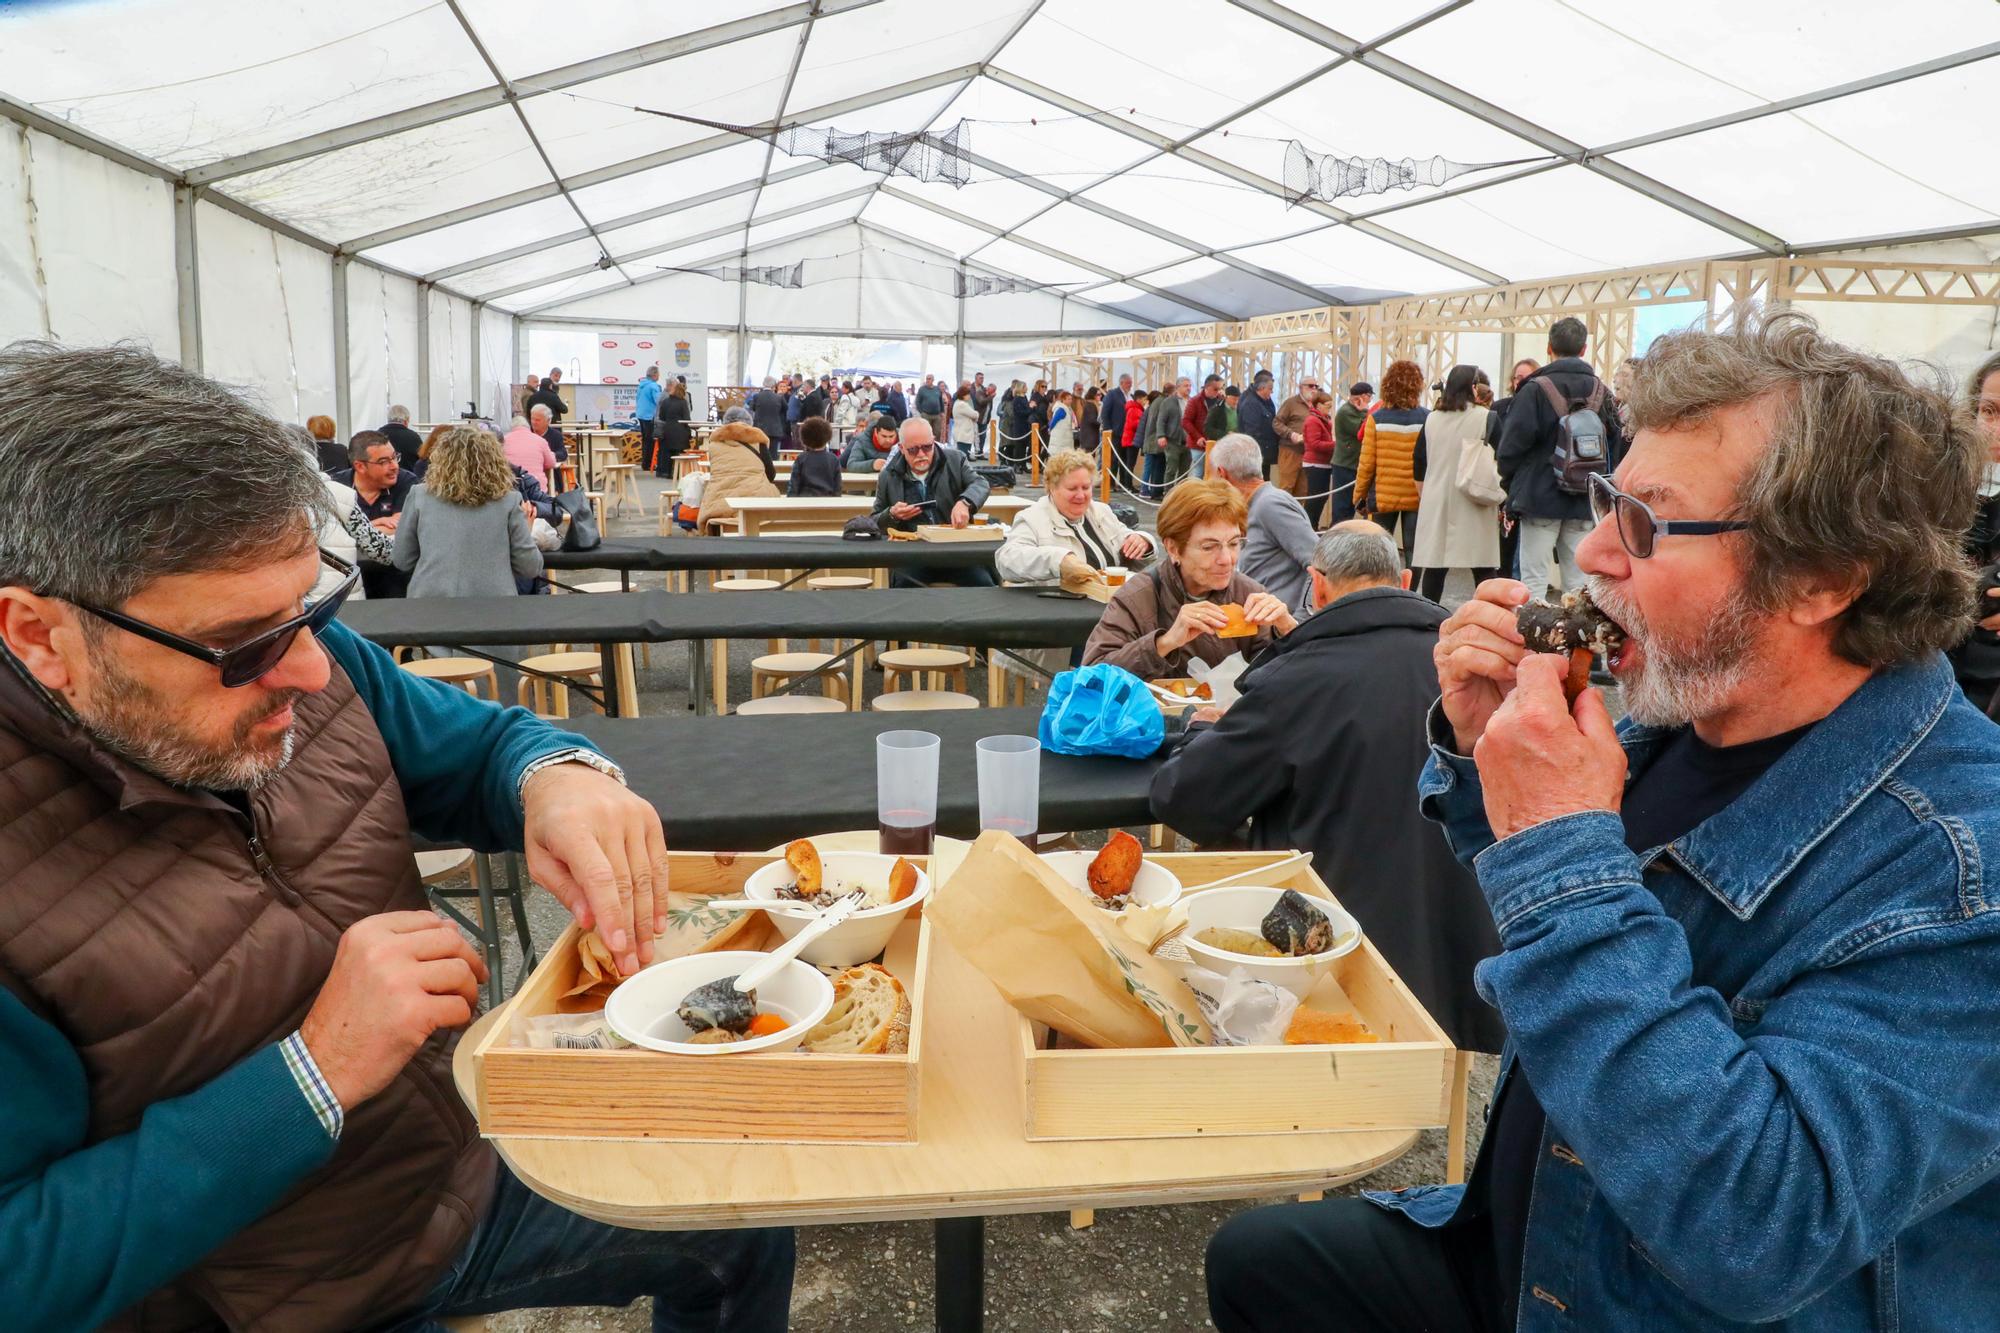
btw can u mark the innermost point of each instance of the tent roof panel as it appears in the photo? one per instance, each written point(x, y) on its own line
point(674, 226)
point(1200, 204)
point(1340, 256)
point(660, 186)
point(1030, 137)
point(415, 174)
point(481, 236)
point(849, 53)
point(594, 124)
point(1033, 264)
point(932, 228)
point(173, 89)
point(513, 272)
point(1100, 239)
point(815, 185)
point(1566, 221)
point(522, 38)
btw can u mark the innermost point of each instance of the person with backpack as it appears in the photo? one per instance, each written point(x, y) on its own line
point(1562, 427)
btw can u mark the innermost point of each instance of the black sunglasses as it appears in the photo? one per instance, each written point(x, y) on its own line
point(1638, 526)
point(253, 658)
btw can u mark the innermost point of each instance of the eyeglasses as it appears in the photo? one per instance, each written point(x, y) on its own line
point(254, 658)
point(1638, 526)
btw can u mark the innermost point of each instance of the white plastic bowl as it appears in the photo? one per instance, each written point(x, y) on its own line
point(862, 936)
point(1244, 907)
point(1155, 886)
point(642, 1009)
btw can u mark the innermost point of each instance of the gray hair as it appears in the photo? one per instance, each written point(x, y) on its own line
point(1869, 477)
point(914, 426)
point(520, 423)
point(736, 416)
point(541, 410)
point(114, 464)
point(770, 381)
point(1350, 555)
point(1236, 457)
point(399, 413)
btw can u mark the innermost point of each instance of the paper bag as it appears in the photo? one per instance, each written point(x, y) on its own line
point(1057, 958)
point(692, 927)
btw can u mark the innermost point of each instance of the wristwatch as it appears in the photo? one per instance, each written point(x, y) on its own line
point(576, 754)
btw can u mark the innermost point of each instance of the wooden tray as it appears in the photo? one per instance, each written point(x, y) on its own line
point(972, 532)
point(1400, 1082)
point(791, 1096)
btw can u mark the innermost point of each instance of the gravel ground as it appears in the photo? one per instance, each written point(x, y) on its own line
point(1136, 1268)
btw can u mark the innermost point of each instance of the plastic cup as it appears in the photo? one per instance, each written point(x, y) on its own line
point(1010, 785)
point(906, 773)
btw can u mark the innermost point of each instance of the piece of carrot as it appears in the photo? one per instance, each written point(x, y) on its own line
point(764, 1025)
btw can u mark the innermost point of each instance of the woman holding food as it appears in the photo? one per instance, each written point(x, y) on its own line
point(1195, 603)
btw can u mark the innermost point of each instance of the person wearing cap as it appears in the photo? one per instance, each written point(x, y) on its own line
point(1291, 429)
point(1349, 421)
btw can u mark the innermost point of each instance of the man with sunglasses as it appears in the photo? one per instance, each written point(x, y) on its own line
point(1748, 948)
point(227, 1015)
point(922, 483)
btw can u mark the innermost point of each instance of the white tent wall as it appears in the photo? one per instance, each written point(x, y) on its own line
point(451, 338)
point(266, 313)
point(1954, 337)
point(399, 338)
point(497, 372)
point(86, 247)
point(1004, 359)
point(367, 348)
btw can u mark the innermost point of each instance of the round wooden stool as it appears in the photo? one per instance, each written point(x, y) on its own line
point(922, 701)
point(789, 703)
point(550, 698)
point(774, 671)
point(436, 867)
point(744, 585)
point(930, 667)
point(621, 483)
point(837, 582)
point(468, 672)
point(719, 670)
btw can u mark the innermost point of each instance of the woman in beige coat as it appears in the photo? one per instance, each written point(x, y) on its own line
point(1456, 529)
point(739, 466)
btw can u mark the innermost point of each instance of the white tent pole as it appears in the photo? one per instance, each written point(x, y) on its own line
point(187, 269)
point(958, 343)
point(343, 392)
point(513, 372)
point(424, 350)
point(478, 332)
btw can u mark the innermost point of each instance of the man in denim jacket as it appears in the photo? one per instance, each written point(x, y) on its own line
point(1749, 957)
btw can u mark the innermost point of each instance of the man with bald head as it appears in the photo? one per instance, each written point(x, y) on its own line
point(922, 484)
point(1316, 753)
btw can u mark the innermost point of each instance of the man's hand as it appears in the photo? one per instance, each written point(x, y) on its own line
point(396, 979)
point(1477, 651)
point(1298, 438)
point(1265, 611)
point(1540, 759)
point(1992, 622)
point(383, 524)
point(879, 463)
point(601, 851)
point(904, 509)
point(961, 514)
point(1135, 547)
point(1207, 713)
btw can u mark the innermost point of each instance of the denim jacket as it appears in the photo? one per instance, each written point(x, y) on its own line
point(1770, 1050)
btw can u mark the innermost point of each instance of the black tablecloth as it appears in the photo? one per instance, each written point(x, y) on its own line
point(662, 553)
point(746, 783)
point(976, 617)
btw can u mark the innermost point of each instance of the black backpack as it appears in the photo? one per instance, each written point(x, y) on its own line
point(1583, 445)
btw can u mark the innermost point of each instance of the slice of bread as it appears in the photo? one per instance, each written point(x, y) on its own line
point(803, 857)
point(870, 1015)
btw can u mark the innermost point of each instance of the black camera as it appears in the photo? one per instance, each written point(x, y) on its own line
point(1983, 605)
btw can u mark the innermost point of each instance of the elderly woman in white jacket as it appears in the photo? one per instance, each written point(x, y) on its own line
point(1067, 529)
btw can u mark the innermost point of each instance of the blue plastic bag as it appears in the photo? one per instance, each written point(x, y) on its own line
point(1101, 709)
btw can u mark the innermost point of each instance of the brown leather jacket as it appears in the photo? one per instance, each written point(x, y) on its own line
point(168, 935)
point(1125, 635)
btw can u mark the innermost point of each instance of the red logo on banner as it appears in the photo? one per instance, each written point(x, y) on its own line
point(645, 347)
point(610, 379)
point(628, 361)
point(609, 342)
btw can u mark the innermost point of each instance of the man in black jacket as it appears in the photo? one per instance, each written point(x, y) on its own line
point(407, 441)
point(1320, 752)
point(548, 397)
point(767, 411)
point(1111, 417)
point(1552, 520)
point(1257, 417)
point(925, 484)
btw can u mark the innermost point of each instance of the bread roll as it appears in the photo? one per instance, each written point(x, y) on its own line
point(870, 1015)
point(1239, 626)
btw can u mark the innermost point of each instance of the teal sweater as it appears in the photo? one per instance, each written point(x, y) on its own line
point(86, 1230)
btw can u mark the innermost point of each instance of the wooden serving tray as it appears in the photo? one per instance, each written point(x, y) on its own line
point(791, 1096)
point(1400, 1082)
point(972, 532)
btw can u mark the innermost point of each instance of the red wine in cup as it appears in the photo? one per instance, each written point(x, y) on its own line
point(1020, 828)
point(905, 833)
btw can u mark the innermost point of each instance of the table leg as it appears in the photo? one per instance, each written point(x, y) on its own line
point(719, 677)
point(961, 1274)
point(614, 680)
point(1454, 1135)
point(996, 682)
point(697, 674)
point(628, 682)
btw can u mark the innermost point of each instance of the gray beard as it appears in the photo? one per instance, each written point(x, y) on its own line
point(1680, 683)
point(131, 723)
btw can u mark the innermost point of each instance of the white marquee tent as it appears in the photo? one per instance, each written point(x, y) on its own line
point(345, 205)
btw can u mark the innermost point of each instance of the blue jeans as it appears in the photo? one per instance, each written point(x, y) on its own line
point(530, 1253)
point(1156, 475)
point(1197, 464)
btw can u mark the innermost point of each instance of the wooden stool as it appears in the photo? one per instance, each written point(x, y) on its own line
point(596, 499)
point(837, 582)
point(464, 671)
point(624, 650)
point(670, 500)
point(435, 867)
point(789, 703)
point(743, 585)
point(621, 483)
point(922, 701)
point(537, 693)
point(774, 671)
point(931, 667)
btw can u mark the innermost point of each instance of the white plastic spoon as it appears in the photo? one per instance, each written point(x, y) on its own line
point(758, 973)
